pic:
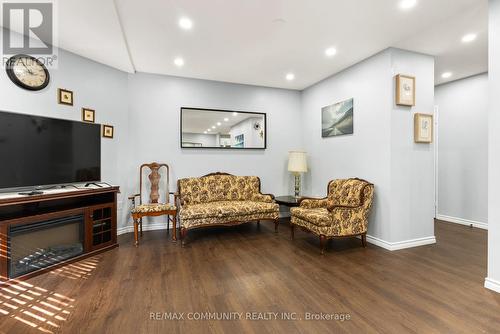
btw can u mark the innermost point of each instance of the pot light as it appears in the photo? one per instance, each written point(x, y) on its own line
point(290, 76)
point(407, 4)
point(219, 123)
point(179, 62)
point(209, 130)
point(469, 38)
point(185, 23)
point(235, 114)
point(213, 126)
point(446, 75)
point(330, 52)
point(204, 132)
point(226, 119)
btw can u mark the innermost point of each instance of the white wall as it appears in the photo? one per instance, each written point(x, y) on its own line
point(381, 149)
point(463, 150)
point(252, 137)
point(155, 102)
point(493, 280)
point(94, 86)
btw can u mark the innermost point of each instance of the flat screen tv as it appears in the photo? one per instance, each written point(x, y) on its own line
point(39, 151)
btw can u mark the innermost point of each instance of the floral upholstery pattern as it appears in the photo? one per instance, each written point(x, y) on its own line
point(223, 199)
point(214, 188)
point(155, 207)
point(344, 212)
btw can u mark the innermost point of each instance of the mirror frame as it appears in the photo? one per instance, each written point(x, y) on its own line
point(224, 148)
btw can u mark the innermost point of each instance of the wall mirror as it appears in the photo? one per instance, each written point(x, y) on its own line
point(209, 128)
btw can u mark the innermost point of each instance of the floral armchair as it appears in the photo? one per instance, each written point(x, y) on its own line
point(343, 213)
point(221, 199)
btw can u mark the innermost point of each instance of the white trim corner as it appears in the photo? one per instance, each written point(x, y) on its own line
point(492, 284)
point(394, 246)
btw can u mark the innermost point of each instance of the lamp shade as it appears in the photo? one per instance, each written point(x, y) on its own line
point(297, 162)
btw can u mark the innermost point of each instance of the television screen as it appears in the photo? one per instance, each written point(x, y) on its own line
point(38, 151)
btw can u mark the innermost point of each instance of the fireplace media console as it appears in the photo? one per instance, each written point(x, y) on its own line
point(41, 232)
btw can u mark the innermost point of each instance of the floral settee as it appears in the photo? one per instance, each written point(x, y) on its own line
point(343, 213)
point(223, 199)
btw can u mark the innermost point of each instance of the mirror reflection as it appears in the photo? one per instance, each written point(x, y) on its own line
point(207, 128)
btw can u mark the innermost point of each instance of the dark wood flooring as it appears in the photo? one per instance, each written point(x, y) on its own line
point(429, 289)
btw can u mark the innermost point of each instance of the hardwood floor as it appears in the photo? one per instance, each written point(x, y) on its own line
point(429, 289)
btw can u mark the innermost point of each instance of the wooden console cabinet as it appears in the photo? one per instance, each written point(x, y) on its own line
point(96, 207)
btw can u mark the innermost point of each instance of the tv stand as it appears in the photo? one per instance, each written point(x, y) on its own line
point(94, 208)
point(93, 183)
point(31, 193)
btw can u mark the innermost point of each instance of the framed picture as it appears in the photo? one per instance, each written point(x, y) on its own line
point(423, 127)
point(65, 96)
point(108, 131)
point(88, 115)
point(405, 90)
point(337, 119)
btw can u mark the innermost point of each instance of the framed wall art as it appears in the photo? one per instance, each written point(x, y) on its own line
point(423, 128)
point(65, 96)
point(405, 90)
point(337, 119)
point(108, 131)
point(88, 115)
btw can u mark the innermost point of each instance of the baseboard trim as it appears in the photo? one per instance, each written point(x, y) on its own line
point(462, 221)
point(145, 227)
point(394, 246)
point(492, 284)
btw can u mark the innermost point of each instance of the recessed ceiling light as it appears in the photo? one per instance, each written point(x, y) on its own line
point(179, 62)
point(209, 130)
point(185, 23)
point(235, 114)
point(226, 119)
point(290, 76)
point(446, 75)
point(330, 52)
point(407, 4)
point(213, 126)
point(469, 38)
point(204, 132)
point(219, 123)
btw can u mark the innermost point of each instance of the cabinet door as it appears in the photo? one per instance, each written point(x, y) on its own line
point(101, 226)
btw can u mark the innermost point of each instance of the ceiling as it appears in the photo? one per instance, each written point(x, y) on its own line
point(259, 41)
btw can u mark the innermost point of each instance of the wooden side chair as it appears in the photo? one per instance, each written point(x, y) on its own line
point(154, 208)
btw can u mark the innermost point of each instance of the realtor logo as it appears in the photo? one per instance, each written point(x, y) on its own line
point(29, 28)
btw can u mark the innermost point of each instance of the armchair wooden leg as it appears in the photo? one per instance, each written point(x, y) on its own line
point(140, 221)
point(258, 223)
point(168, 224)
point(322, 243)
point(183, 235)
point(136, 232)
point(292, 230)
point(276, 223)
point(363, 239)
point(174, 228)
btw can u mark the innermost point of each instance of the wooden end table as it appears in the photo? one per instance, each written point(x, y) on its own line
point(290, 201)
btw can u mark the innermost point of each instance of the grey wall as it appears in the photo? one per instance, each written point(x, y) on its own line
point(95, 86)
point(493, 280)
point(155, 102)
point(381, 149)
point(463, 150)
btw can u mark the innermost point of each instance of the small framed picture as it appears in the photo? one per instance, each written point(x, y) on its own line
point(65, 96)
point(88, 115)
point(108, 131)
point(423, 127)
point(405, 90)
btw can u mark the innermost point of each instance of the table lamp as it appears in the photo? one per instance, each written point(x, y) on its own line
point(297, 163)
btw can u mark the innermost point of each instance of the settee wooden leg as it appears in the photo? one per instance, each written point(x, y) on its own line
point(183, 235)
point(322, 243)
point(136, 232)
point(258, 224)
point(292, 231)
point(140, 222)
point(174, 228)
point(363, 239)
point(276, 223)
